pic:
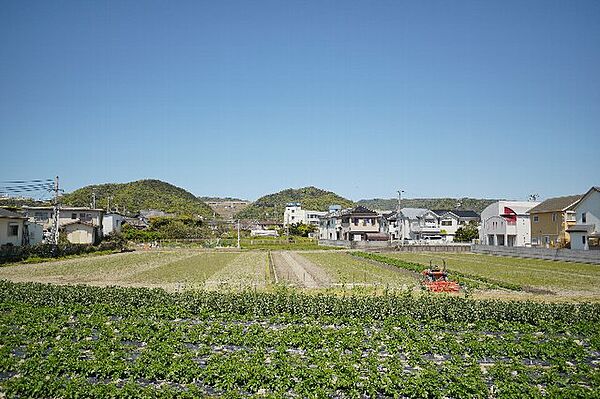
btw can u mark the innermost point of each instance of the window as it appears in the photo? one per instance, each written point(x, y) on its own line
point(547, 239)
point(446, 222)
point(554, 217)
point(583, 239)
point(583, 218)
point(13, 230)
point(73, 216)
point(536, 219)
point(355, 221)
point(40, 215)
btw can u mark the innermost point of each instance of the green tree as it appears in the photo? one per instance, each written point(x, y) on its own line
point(467, 233)
point(301, 229)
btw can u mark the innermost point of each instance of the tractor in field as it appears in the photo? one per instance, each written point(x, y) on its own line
point(435, 279)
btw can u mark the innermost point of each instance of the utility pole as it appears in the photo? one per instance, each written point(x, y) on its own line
point(56, 213)
point(93, 200)
point(238, 231)
point(398, 217)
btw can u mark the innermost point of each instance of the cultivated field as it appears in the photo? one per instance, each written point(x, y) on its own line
point(535, 276)
point(61, 341)
point(170, 269)
point(295, 324)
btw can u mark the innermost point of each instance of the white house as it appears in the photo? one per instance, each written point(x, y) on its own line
point(451, 220)
point(506, 223)
point(586, 233)
point(69, 215)
point(330, 227)
point(11, 227)
point(112, 222)
point(294, 214)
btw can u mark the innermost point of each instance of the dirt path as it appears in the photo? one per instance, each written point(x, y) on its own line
point(295, 269)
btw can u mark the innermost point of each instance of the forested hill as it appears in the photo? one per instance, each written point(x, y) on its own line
point(391, 204)
point(142, 194)
point(272, 206)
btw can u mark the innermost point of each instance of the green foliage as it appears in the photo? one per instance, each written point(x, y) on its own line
point(466, 233)
point(10, 254)
point(83, 341)
point(461, 277)
point(301, 229)
point(178, 227)
point(142, 194)
point(391, 204)
point(133, 234)
point(272, 206)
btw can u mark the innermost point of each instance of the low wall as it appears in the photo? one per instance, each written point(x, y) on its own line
point(566, 255)
point(386, 245)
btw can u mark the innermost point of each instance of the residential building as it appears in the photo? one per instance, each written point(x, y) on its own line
point(358, 224)
point(414, 224)
point(450, 220)
point(550, 221)
point(330, 225)
point(12, 226)
point(506, 223)
point(294, 214)
point(585, 233)
point(69, 215)
point(112, 223)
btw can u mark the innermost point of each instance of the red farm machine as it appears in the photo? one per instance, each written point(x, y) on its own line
point(435, 279)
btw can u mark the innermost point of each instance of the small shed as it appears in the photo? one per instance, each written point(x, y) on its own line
point(79, 232)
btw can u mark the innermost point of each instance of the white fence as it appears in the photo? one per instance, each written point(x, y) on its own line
point(567, 255)
point(394, 246)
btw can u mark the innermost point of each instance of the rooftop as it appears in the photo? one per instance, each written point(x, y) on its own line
point(5, 213)
point(556, 204)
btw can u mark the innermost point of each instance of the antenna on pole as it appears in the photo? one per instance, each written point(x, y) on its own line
point(55, 232)
point(398, 216)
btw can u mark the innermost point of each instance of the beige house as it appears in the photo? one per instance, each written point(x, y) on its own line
point(550, 221)
point(12, 226)
point(360, 224)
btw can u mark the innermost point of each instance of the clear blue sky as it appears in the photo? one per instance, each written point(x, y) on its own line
point(440, 98)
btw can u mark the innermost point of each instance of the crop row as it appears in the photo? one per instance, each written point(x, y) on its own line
point(456, 275)
point(71, 342)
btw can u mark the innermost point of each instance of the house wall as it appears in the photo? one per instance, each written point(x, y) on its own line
point(80, 234)
point(5, 238)
point(545, 226)
point(112, 223)
point(505, 233)
point(590, 204)
point(36, 233)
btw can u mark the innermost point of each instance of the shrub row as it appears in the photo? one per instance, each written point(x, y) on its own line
point(159, 303)
point(417, 267)
point(16, 254)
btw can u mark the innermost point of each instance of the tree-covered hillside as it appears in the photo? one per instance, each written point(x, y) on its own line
point(272, 206)
point(142, 194)
point(390, 204)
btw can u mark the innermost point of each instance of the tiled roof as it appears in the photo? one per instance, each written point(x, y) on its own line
point(5, 213)
point(556, 204)
point(458, 212)
point(586, 228)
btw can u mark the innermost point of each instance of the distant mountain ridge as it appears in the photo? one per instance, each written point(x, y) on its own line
point(391, 204)
point(142, 194)
point(272, 206)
